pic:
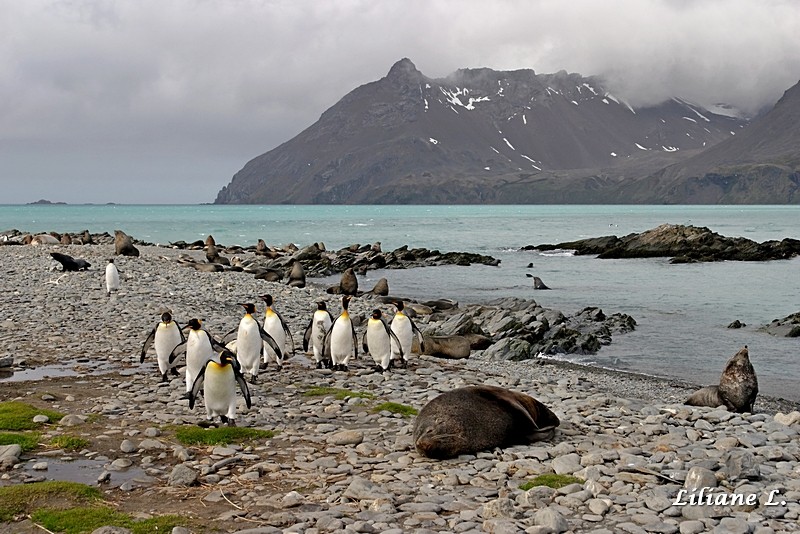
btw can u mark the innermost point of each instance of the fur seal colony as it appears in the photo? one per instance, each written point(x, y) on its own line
point(737, 389)
point(478, 418)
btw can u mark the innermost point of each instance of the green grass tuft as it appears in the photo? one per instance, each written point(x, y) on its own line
point(338, 393)
point(402, 409)
point(191, 435)
point(27, 440)
point(15, 415)
point(24, 498)
point(86, 519)
point(70, 443)
point(551, 481)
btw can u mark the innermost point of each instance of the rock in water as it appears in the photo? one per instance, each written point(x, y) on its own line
point(123, 244)
point(738, 385)
point(478, 418)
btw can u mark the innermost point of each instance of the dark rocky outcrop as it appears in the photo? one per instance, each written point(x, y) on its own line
point(521, 329)
point(789, 326)
point(681, 243)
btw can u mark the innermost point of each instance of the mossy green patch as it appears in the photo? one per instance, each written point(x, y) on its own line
point(191, 435)
point(23, 499)
point(338, 393)
point(70, 443)
point(86, 519)
point(551, 480)
point(27, 440)
point(15, 415)
point(393, 407)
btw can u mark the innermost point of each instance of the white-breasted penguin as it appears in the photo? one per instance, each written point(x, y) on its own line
point(199, 347)
point(378, 340)
point(341, 342)
point(275, 325)
point(218, 379)
point(315, 332)
point(405, 329)
point(112, 277)
point(250, 341)
point(165, 336)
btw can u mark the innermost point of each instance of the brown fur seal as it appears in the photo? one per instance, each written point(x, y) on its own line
point(451, 347)
point(381, 287)
point(737, 390)
point(297, 276)
point(738, 385)
point(348, 285)
point(68, 263)
point(478, 418)
point(123, 244)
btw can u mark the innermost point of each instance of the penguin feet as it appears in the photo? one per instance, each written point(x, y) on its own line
point(263, 366)
point(254, 379)
point(206, 424)
point(174, 372)
point(320, 365)
point(378, 369)
point(164, 378)
point(186, 395)
point(231, 422)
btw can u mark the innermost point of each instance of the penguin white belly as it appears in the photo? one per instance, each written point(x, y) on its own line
point(402, 329)
point(379, 343)
point(318, 331)
point(219, 391)
point(198, 352)
point(167, 338)
point(112, 278)
point(341, 341)
point(248, 346)
point(273, 327)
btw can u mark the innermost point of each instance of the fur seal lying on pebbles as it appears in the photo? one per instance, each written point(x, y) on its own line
point(478, 418)
point(68, 263)
point(738, 386)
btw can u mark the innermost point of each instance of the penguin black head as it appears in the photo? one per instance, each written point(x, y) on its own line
point(322, 306)
point(267, 299)
point(194, 324)
point(376, 314)
point(166, 317)
point(110, 260)
point(399, 305)
point(249, 307)
point(346, 301)
point(226, 357)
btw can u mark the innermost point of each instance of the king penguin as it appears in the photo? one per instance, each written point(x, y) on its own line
point(405, 329)
point(218, 379)
point(275, 325)
point(251, 339)
point(315, 332)
point(341, 342)
point(112, 277)
point(378, 340)
point(200, 347)
point(166, 335)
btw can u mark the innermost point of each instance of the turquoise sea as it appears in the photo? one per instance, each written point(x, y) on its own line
point(682, 311)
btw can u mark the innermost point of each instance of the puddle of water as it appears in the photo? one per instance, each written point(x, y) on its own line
point(54, 371)
point(86, 471)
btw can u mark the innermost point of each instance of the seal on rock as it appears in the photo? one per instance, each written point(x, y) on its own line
point(478, 418)
point(738, 386)
point(123, 244)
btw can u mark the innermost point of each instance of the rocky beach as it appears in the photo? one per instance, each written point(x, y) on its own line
point(342, 457)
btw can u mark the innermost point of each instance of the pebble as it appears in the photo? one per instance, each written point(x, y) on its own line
point(338, 465)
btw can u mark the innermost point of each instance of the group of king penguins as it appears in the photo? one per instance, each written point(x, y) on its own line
point(217, 367)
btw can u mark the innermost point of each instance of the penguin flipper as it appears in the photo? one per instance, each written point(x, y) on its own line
point(243, 386)
point(229, 335)
point(180, 331)
point(177, 351)
point(266, 338)
point(355, 341)
point(197, 386)
point(307, 335)
point(393, 337)
point(420, 337)
point(147, 343)
point(364, 344)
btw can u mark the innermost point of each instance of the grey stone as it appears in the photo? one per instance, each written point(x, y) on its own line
point(182, 475)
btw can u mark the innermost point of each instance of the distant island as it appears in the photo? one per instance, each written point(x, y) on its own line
point(45, 202)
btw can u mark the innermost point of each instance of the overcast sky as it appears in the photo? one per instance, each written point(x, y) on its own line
point(163, 101)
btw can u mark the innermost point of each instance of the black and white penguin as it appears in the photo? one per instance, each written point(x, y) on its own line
point(315, 332)
point(112, 277)
point(404, 328)
point(275, 325)
point(378, 340)
point(199, 347)
point(218, 379)
point(251, 338)
point(166, 335)
point(341, 342)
